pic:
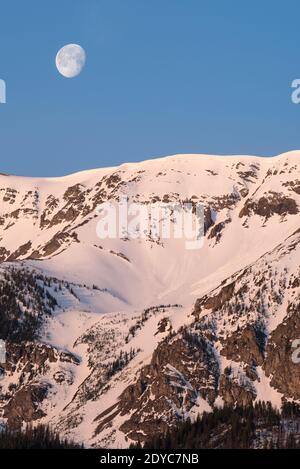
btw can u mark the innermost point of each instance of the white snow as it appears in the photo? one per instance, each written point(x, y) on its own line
point(112, 292)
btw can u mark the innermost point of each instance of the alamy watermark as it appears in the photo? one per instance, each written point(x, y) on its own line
point(154, 221)
point(296, 353)
point(2, 351)
point(2, 92)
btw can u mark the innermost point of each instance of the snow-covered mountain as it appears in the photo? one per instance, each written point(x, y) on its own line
point(112, 340)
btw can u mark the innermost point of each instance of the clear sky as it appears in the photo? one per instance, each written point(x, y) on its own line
point(161, 77)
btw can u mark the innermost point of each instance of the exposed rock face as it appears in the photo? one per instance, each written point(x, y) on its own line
point(216, 231)
point(32, 355)
point(24, 405)
point(58, 243)
point(279, 364)
point(31, 362)
point(215, 302)
point(208, 220)
point(20, 252)
point(235, 392)
point(293, 186)
point(245, 346)
point(272, 203)
point(182, 369)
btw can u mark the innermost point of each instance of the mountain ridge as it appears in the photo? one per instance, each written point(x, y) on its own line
point(290, 153)
point(108, 339)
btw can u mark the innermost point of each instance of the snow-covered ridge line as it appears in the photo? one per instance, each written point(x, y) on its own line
point(188, 157)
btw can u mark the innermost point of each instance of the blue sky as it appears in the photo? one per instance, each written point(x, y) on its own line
point(162, 77)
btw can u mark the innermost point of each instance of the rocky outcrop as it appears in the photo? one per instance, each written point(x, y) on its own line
point(30, 356)
point(30, 362)
point(182, 369)
point(283, 370)
point(234, 391)
point(215, 302)
point(217, 230)
point(270, 204)
point(20, 252)
point(59, 242)
point(245, 346)
point(24, 405)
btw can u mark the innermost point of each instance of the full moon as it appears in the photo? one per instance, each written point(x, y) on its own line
point(70, 60)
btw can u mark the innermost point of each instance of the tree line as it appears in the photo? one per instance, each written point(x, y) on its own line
point(234, 427)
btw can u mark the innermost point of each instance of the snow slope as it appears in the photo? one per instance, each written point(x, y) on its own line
point(48, 226)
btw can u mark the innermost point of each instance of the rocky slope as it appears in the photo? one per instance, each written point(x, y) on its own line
point(112, 340)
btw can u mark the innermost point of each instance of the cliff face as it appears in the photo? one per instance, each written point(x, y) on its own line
point(114, 340)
